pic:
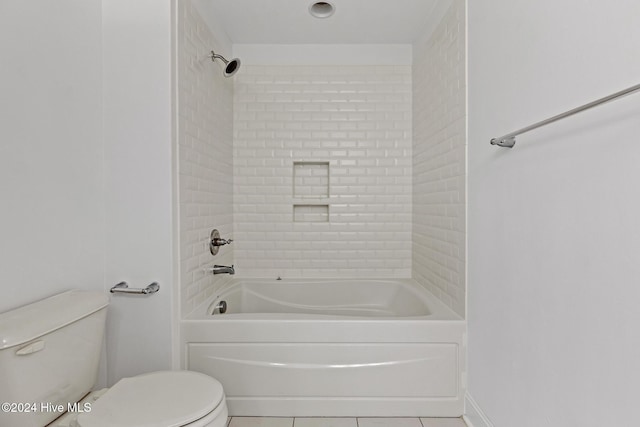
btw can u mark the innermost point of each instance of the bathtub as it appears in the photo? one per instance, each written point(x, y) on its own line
point(330, 348)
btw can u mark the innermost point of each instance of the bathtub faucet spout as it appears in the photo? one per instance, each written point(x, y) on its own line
point(223, 269)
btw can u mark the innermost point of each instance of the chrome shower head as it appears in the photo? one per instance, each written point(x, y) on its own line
point(231, 67)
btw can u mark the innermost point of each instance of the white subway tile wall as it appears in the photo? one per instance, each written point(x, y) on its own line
point(356, 119)
point(311, 179)
point(439, 156)
point(205, 157)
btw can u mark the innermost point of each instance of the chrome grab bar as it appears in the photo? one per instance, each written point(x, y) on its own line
point(509, 139)
point(123, 288)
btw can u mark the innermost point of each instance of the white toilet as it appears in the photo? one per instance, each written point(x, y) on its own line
point(49, 356)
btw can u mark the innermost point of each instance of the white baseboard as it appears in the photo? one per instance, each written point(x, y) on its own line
point(473, 416)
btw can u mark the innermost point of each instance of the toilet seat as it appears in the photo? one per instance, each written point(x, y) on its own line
point(166, 398)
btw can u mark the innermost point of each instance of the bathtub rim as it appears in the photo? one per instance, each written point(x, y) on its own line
point(438, 309)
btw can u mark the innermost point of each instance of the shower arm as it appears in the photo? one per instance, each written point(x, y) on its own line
point(215, 56)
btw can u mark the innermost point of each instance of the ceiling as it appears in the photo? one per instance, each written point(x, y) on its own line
point(354, 21)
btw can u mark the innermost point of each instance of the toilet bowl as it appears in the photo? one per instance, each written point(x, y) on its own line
point(165, 398)
point(50, 352)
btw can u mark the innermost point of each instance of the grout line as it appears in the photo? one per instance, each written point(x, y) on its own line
point(293, 420)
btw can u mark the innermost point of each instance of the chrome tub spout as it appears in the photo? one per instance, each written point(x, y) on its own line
point(223, 269)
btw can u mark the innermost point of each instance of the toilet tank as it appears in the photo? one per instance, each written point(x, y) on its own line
point(49, 355)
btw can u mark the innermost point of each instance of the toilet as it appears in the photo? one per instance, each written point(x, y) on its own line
point(49, 356)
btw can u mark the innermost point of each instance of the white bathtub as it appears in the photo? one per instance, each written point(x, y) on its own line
point(330, 348)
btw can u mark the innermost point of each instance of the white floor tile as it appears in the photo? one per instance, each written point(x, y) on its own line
point(261, 422)
point(389, 422)
point(325, 422)
point(443, 422)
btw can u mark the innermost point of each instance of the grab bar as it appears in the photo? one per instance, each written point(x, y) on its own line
point(123, 288)
point(509, 140)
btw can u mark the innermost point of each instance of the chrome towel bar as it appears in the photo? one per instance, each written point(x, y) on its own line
point(123, 288)
point(509, 139)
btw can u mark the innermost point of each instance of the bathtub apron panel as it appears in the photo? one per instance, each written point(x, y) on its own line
point(303, 363)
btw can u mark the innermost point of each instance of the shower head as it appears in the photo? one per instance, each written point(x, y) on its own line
point(230, 67)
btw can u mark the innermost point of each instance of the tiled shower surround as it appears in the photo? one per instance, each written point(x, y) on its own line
point(322, 171)
point(205, 157)
point(439, 156)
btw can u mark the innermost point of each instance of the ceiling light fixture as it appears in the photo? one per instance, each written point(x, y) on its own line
point(321, 9)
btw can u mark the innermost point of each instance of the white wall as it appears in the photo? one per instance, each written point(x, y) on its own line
point(137, 119)
point(85, 164)
point(439, 158)
point(51, 151)
point(553, 223)
point(357, 119)
point(51, 159)
point(205, 155)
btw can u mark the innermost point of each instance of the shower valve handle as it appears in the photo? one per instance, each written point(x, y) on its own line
point(221, 242)
point(215, 241)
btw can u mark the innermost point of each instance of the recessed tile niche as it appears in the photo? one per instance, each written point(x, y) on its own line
point(311, 182)
point(311, 213)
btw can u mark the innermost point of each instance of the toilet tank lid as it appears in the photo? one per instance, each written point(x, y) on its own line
point(23, 324)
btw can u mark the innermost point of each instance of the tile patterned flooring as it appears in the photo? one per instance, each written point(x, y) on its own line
point(343, 422)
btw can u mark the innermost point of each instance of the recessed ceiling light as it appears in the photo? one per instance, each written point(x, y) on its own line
point(321, 9)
